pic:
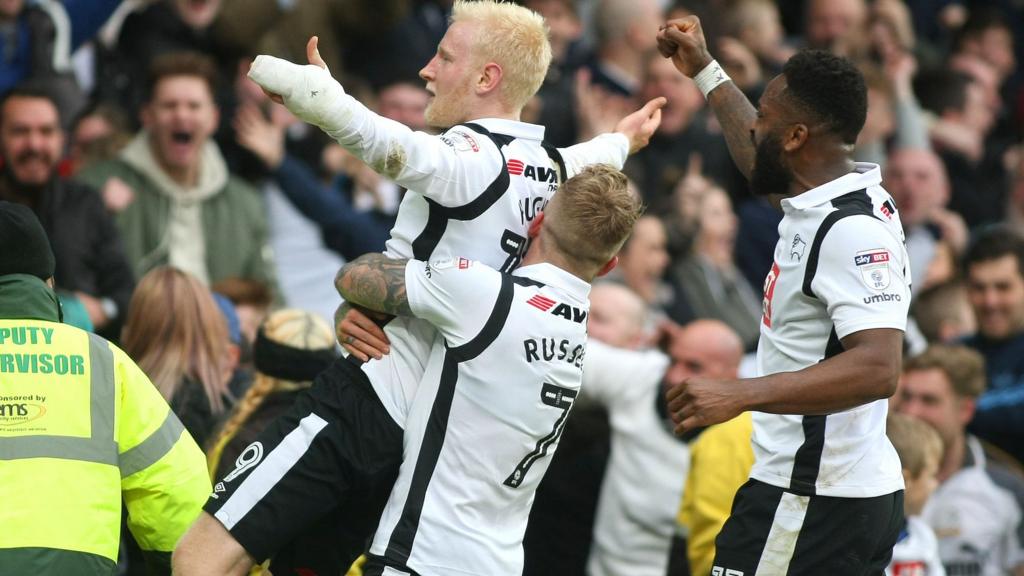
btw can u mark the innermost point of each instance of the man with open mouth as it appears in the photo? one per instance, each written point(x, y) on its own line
point(188, 210)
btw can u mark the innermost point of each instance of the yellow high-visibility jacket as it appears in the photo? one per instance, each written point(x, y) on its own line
point(720, 462)
point(83, 430)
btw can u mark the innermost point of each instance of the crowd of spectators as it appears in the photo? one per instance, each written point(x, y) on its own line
point(183, 207)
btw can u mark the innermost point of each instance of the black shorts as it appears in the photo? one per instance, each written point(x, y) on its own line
point(774, 532)
point(310, 490)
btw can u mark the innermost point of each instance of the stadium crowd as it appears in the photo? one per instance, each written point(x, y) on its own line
point(199, 226)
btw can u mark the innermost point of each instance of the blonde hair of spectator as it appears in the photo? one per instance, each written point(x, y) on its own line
point(915, 442)
point(591, 215)
point(290, 327)
point(175, 330)
point(514, 38)
point(964, 367)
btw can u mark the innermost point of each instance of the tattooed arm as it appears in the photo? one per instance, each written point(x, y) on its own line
point(736, 115)
point(375, 282)
point(683, 41)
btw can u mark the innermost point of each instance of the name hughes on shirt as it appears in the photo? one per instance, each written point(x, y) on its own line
point(548, 349)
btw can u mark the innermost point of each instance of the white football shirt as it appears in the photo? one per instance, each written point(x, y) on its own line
point(502, 377)
point(472, 192)
point(978, 518)
point(916, 553)
point(643, 482)
point(840, 267)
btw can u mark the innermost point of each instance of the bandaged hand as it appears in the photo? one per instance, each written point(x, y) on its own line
point(309, 91)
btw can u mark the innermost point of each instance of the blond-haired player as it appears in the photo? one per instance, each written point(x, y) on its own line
point(500, 383)
point(473, 191)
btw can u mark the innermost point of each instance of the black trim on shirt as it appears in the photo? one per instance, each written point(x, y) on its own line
point(438, 216)
point(402, 537)
point(556, 156)
point(524, 281)
point(807, 460)
point(853, 204)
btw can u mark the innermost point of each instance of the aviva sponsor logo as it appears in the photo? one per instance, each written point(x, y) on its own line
point(538, 173)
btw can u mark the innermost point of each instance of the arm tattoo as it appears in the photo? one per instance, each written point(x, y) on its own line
point(376, 282)
point(736, 115)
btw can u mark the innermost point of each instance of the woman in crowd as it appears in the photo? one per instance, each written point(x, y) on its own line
point(176, 333)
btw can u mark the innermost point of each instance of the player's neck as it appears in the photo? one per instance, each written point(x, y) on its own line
point(493, 109)
point(539, 253)
point(818, 167)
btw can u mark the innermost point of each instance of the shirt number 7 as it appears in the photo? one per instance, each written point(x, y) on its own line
point(557, 397)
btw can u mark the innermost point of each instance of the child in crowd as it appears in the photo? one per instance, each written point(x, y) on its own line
point(917, 551)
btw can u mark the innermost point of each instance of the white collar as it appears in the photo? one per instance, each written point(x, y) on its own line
point(864, 175)
point(512, 128)
point(555, 277)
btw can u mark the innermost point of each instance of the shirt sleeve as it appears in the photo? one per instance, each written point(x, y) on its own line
point(451, 169)
point(611, 148)
point(455, 295)
point(613, 376)
point(163, 472)
point(862, 276)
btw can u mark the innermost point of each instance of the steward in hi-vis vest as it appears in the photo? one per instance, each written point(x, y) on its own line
point(82, 430)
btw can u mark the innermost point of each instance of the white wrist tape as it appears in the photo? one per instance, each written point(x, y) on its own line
point(710, 77)
point(310, 92)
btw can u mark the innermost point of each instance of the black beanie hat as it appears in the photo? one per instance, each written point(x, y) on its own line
point(24, 248)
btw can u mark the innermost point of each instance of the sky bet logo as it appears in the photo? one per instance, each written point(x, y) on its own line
point(871, 258)
point(538, 173)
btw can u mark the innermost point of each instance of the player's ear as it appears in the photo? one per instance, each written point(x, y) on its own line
point(536, 225)
point(795, 137)
point(609, 266)
point(489, 78)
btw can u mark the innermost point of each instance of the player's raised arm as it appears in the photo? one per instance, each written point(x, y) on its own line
point(421, 162)
point(683, 41)
point(636, 128)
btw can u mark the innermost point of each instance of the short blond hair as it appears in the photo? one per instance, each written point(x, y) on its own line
point(963, 367)
point(512, 37)
point(592, 214)
point(915, 442)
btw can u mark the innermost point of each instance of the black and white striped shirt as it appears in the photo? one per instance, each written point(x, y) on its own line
point(840, 267)
point(502, 377)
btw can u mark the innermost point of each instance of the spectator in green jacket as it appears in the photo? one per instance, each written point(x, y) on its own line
point(187, 210)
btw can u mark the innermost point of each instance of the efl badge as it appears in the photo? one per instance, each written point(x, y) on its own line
point(874, 268)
